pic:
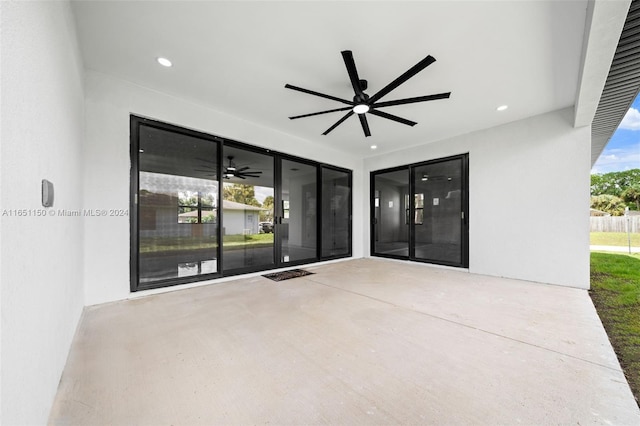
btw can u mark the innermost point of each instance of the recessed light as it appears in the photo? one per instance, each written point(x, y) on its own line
point(502, 107)
point(374, 146)
point(164, 62)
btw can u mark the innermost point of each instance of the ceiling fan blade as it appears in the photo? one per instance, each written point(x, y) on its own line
point(412, 100)
point(392, 117)
point(365, 124)
point(404, 77)
point(347, 115)
point(321, 112)
point(347, 56)
point(322, 95)
point(250, 173)
point(241, 169)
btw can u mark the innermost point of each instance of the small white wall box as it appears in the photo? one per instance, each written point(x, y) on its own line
point(47, 193)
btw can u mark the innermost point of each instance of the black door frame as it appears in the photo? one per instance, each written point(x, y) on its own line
point(135, 285)
point(410, 168)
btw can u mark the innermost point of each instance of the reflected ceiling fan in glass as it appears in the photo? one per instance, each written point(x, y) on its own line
point(230, 170)
point(363, 104)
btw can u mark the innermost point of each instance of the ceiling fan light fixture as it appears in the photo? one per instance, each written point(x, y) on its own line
point(361, 108)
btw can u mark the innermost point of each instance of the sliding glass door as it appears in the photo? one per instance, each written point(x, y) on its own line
point(247, 210)
point(439, 226)
point(176, 192)
point(204, 207)
point(419, 212)
point(297, 215)
point(391, 213)
point(336, 212)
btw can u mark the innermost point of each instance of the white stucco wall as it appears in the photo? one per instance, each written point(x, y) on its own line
point(109, 101)
point(528, 197)
point(41, 257)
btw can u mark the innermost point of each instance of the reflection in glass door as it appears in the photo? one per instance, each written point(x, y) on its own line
point(419, 212)
point(247, 210)
point(297, 223)
point(177, 194)
point(390, 209)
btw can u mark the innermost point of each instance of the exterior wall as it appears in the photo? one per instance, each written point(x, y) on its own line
point(109, 101)
point(528, 197)
point(41, 257)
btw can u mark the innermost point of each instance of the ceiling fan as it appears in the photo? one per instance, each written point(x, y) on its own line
point(363, 103)
point(230, 171)
point(242, 173)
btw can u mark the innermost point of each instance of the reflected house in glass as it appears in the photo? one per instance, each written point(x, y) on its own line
point(240, 218)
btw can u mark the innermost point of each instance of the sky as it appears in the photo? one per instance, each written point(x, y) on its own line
point(623, 150)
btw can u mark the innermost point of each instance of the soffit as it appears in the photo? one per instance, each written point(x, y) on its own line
point(622, 84)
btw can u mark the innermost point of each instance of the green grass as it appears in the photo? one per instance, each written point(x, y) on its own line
point(175, 244)
point(241, 240)
point(615, 291)
point(614, 239)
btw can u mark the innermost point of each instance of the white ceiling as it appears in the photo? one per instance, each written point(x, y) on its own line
point(237, 56)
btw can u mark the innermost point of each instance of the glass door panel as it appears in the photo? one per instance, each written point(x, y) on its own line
point(177, 206)
point(391, 213)
point(336, 212)
point(247, 208)
point(438, 227)
point(297, 225)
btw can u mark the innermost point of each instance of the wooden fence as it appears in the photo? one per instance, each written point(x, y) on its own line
point(614, 223)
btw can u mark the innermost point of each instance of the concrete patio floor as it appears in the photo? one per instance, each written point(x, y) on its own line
point(367, 341)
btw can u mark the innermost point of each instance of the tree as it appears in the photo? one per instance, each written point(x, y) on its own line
point(240, 193)
point(632, 195)
point(614, 183)
point(267, 215)
point(608, 203)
